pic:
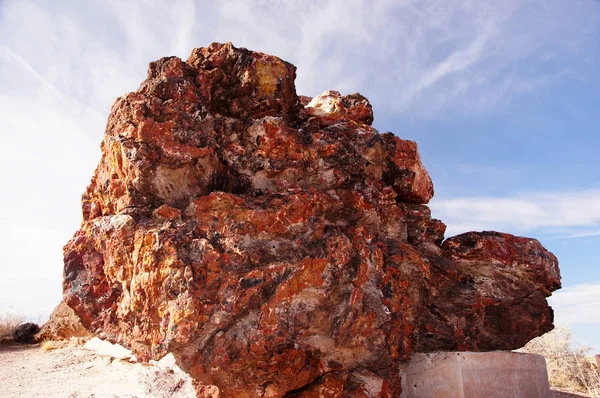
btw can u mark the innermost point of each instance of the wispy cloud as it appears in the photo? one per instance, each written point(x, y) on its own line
point(422, 58)
point(560, 214)
point(577, 304)
point(62, 64)
point(582, 234)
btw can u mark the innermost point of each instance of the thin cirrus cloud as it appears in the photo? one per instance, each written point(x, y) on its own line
point(577, 308)
point(62, 64)
point(568, 214)
point(464, 56)
point(577, 304)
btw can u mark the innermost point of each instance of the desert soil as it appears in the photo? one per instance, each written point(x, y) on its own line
point(73, 371)
point(76, 372)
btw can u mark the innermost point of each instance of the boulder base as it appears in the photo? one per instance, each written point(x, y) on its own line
point(474, 375)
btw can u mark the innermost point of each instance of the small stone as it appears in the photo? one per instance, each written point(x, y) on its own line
point(167, 212)
point(25, 333)
point(331, 107)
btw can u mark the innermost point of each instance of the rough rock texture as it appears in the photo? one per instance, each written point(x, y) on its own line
point(279, 245)
point(25, 333)
point(63, 324)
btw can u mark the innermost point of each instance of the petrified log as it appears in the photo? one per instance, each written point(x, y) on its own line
point(279, 245)
point(63, 324)
point(25, 333)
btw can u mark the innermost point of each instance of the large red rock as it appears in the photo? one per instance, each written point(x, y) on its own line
point(279, 245)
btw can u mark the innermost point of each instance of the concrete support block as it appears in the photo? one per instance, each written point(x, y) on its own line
point(496, 374)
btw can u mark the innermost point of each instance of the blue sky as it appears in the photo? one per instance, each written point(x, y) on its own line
point(503, 99)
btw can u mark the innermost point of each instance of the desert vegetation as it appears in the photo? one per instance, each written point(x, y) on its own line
point(8, 323)
point(568, 366)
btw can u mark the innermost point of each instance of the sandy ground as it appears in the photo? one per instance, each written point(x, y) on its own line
point(76, 372)
point(72, 371)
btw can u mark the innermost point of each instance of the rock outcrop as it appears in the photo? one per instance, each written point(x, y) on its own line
point(279, 245)
point(25, 333)
point(63, 324)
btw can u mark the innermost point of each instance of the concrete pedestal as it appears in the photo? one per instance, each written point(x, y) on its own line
point(496, 374)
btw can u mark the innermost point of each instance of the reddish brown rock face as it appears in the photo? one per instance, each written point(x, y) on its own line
point(279, 245)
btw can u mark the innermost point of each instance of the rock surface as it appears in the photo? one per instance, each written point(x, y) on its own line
point(279, 245)
point(25, 333)
point(63, 324)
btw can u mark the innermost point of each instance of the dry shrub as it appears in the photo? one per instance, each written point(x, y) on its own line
point(568, 366)
point(8, 323)
point(48, 345)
